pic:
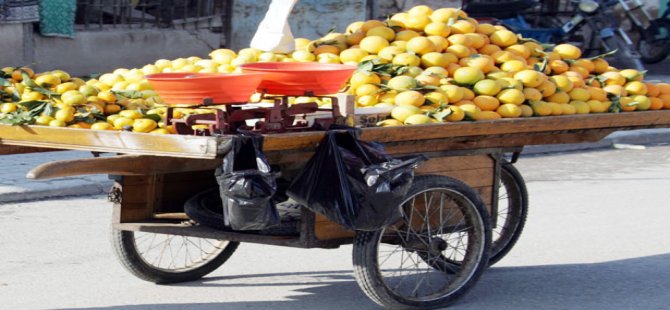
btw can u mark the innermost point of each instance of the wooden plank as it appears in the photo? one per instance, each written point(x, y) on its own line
point(114, 141)
point(121, 165)
point(12, 149)
point(473, 177)
point(324, 229)
point(138, 198)
point(495, 141)
point(453, 163)
point(433, 137)
point(210, 233)
point(618, 121)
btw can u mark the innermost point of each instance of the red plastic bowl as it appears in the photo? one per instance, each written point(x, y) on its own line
point(192, 88)
point(300, 78)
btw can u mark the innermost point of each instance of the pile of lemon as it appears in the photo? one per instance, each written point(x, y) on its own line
point(420, 66)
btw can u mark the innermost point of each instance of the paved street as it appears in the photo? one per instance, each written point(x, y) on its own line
point(596, 238)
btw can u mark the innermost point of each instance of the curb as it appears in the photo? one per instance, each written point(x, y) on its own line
point(89, 189)
point(22, 189)
point(632, 137)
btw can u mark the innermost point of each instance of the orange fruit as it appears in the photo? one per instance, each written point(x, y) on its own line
point(519, 50)
point(513, 96)
point(653, 90)
point(617, 90)
point(656, 103)
point(503, 38)
point(486, 103)
point(532, 94)
point(487, 115)
point(568, 51)
point(600, 65)
point(559, 97)
point(597, 93)
point(558, 66)
point(489, 49)
point(664, 88)
point(666, 100)
point(509, 110)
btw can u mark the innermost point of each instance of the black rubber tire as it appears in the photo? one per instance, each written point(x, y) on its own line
point(132, 260)
point(511, 216)
point(652, 49)
point(625, 57)
point(205, 208)
point(370, 274)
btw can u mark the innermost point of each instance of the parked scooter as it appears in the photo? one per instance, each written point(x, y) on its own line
point(653, 34)
point(594, 27)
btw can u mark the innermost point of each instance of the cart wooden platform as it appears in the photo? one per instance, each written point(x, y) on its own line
point(155, 175)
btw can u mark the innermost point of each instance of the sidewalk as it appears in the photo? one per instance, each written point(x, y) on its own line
point(15, 187)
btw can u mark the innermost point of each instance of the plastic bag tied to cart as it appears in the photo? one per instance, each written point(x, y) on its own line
point(354, 183)
point(247, 185)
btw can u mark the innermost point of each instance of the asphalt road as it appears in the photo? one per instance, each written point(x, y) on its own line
point(597, 237)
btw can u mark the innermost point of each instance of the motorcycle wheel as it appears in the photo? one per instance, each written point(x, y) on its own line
point(654, 43)
point(625, 57)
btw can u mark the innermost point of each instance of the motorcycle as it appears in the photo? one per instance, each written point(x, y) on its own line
point(593, 27)
point(653, 35)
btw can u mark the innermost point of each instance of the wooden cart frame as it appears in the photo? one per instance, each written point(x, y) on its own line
point(155, 174)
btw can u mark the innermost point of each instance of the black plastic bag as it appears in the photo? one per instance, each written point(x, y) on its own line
point(247, 185)
point(354, 183)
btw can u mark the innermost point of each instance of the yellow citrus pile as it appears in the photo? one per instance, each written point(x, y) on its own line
point(422, 65)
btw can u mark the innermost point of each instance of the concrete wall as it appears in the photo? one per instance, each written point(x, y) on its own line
point(99, 51)
point(104, 51)
point(14, 47)
point(309, 19)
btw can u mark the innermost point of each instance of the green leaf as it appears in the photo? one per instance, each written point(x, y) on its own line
point(128, 94)
point(15, 95)
point(366, 66)
point(49, 109)
point(441, 114)
point(154, 117)
point(30, 83)
point(331, 29)
point(17, 118)
point(610, 53)
point(615, 107)
point(425, 87)
point(400, 70)
point(396, 28)
point(5, 83)
point(33, 104)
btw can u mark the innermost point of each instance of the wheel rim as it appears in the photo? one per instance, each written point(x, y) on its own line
point(509, 202)
point(433, 252)
point(174, 253)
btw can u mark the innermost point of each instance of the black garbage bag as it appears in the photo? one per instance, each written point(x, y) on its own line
point(247, 185)
point(354, 183)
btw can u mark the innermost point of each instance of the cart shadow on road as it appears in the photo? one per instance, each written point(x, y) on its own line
point(636, 283)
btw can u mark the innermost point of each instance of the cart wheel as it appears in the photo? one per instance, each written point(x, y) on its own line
point(431, 257)
point(512, 212)
point(162, 258)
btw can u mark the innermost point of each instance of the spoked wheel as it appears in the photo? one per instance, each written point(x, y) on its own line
point(512, 212)
point(654, 43)
point(162, 258)
point(431, 257)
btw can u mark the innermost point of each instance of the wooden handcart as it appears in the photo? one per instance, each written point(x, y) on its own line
point(464, 212)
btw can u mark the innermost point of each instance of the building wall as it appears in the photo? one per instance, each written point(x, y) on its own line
point(309, 19)
point(103, 51)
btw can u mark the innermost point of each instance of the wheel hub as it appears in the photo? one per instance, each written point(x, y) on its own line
point(437, 245)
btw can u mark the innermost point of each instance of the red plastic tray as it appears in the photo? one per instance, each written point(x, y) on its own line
point(300, 78)
point(192, 88)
